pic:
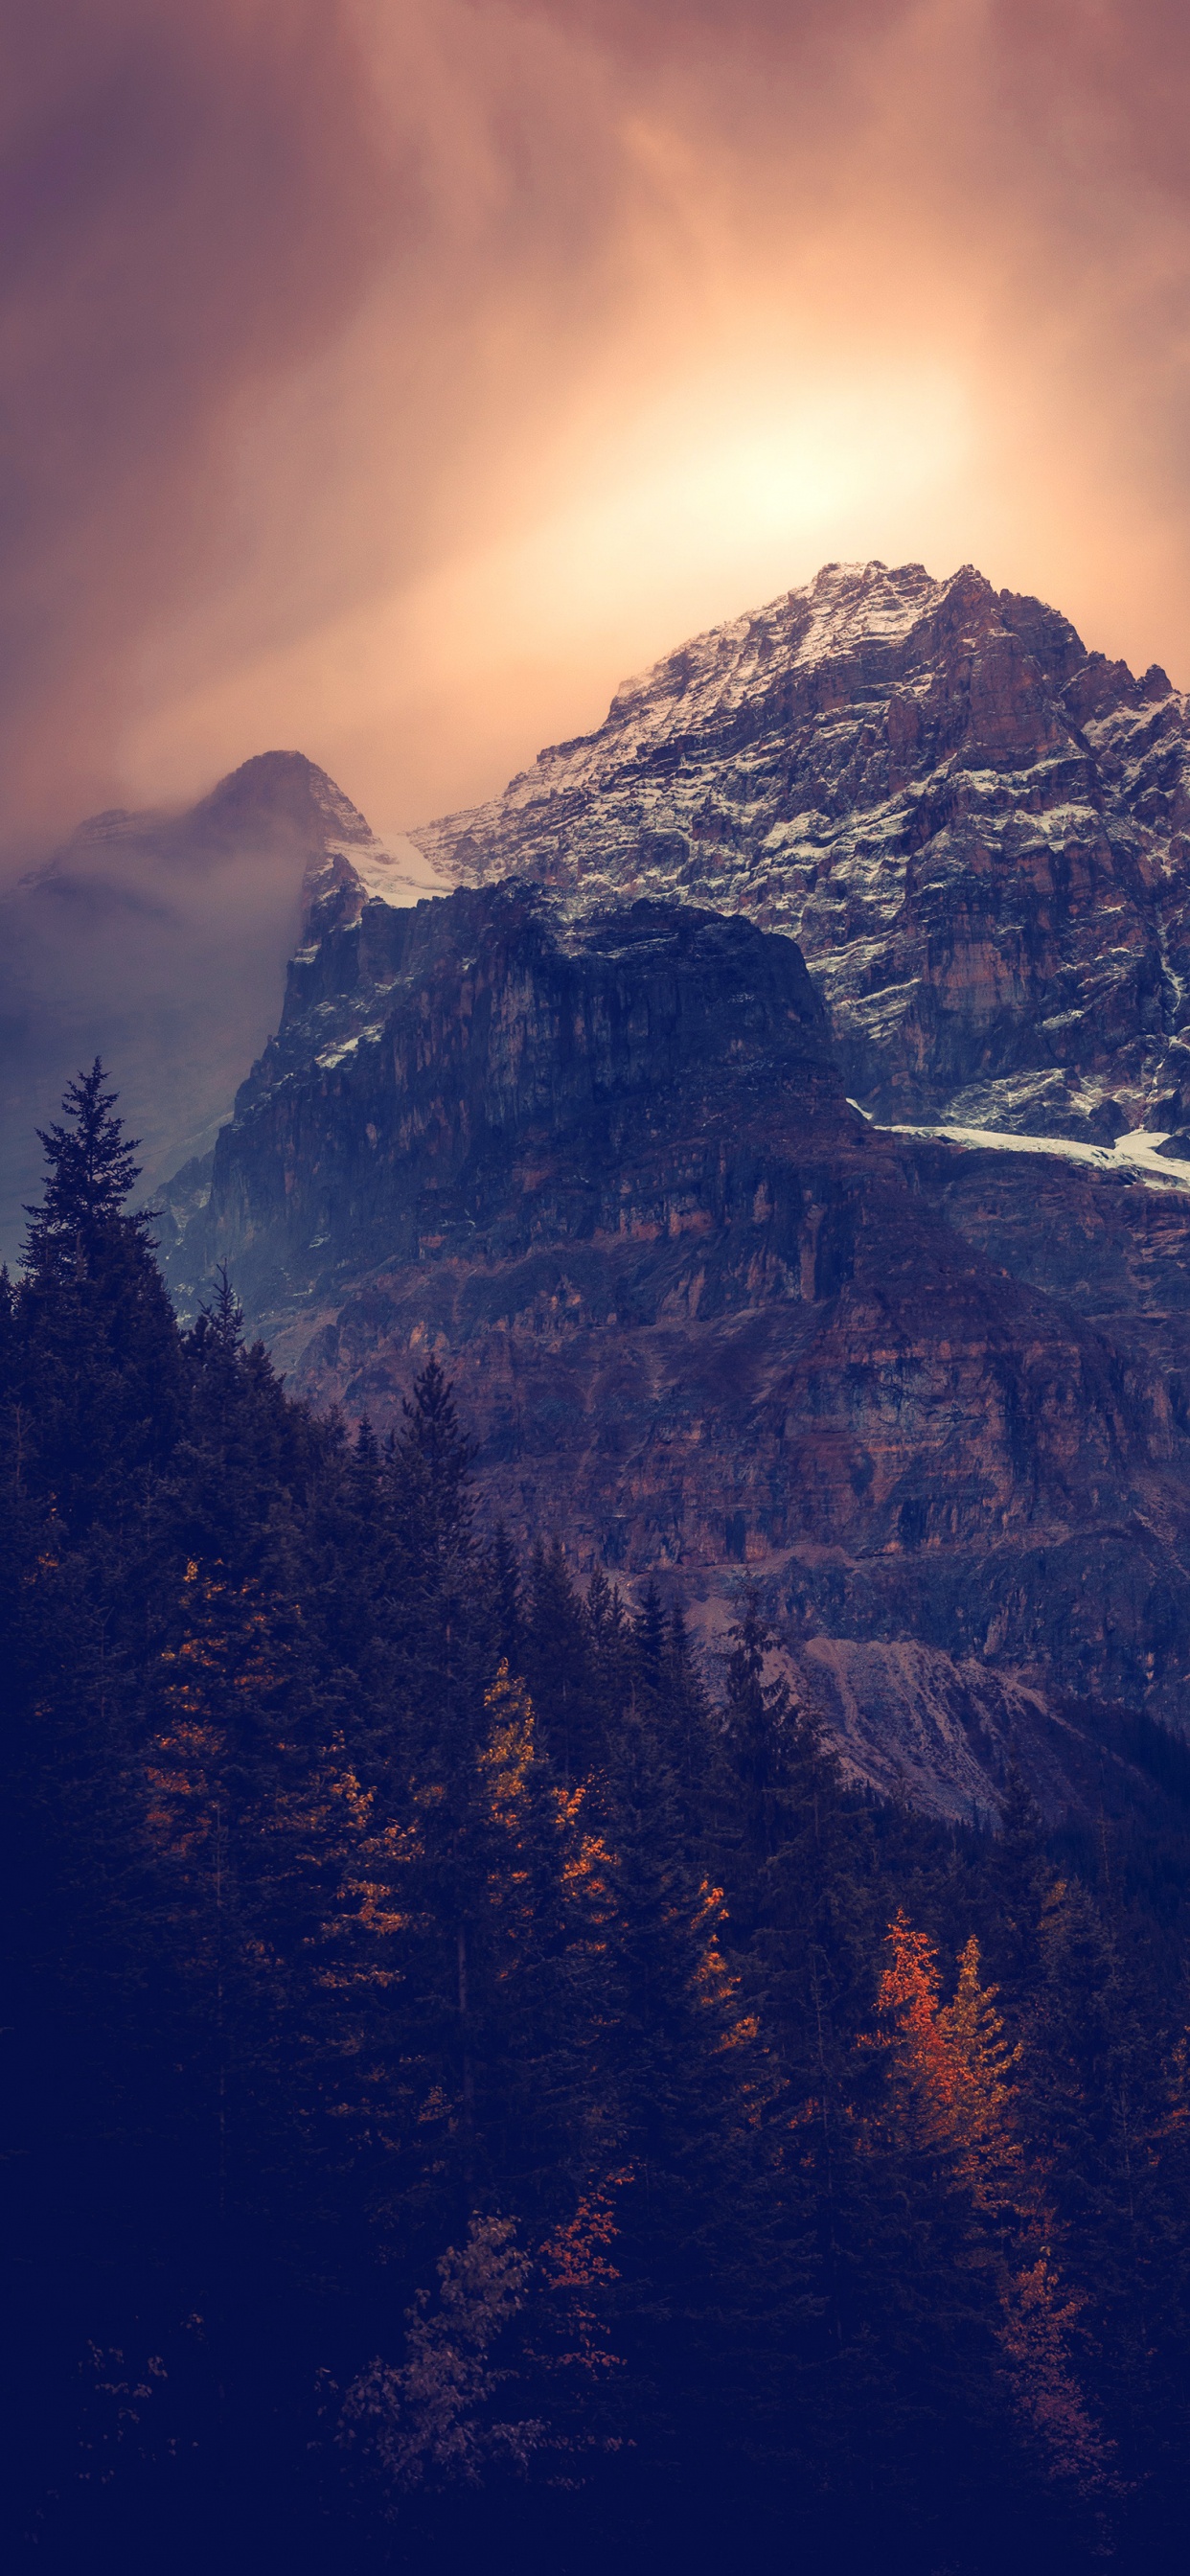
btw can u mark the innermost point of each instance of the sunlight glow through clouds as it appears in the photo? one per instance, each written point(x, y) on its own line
point(711, 506)
point(716, 497)
point(467, 358)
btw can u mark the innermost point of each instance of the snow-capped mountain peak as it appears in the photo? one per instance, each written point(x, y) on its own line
point(974, 827)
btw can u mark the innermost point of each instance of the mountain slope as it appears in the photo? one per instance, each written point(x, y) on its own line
point(975, 829)
point(704, 1318)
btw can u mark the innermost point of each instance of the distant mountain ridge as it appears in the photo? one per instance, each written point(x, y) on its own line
point(976, 830)
point(158, 940)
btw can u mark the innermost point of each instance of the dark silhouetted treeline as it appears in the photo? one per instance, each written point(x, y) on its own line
point(478, 2087)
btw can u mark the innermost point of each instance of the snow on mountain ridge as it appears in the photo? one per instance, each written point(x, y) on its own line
point(716, 671)
point(800, 627)
point(977, 831)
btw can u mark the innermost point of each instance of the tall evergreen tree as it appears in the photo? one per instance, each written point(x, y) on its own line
point(557, 1657)
point(100, 1369)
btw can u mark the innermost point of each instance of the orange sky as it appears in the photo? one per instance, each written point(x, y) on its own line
point(388, 378)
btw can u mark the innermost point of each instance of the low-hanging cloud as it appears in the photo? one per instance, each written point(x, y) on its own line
point(385, 379)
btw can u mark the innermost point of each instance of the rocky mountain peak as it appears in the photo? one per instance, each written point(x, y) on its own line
point(276, 786)
point(974, 827)
point(845, 606)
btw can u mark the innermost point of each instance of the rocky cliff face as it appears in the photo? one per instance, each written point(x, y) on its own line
point(159, 940)
point(704, 1318)
point(975, 829)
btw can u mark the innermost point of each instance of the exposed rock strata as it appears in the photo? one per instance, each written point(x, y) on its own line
point(976, 829)
point(704, 1318)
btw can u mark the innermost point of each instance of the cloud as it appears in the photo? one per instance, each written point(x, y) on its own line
point(187, 196)
point(390, 379)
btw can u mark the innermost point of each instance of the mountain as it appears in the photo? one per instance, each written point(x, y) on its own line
point(159, 940)
point(975, 829)
point(704, 1318)
point(587, 1128)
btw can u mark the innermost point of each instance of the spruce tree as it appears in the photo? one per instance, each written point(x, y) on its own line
point(557, 1658)
point(100, 1356)
point(90, 1173)
point(506, 1609)
point(709, 2237)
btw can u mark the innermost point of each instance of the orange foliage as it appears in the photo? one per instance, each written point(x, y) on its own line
point(506, 1758)
point(954, 2092)
point(588, 1869)
point(715, 1985)
point(957, 2066)
point(575, 2264)
point(504, 1763)
point(1034, 2334)
point(224, 1658)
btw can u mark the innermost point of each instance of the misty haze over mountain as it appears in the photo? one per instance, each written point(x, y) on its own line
point(159, 941)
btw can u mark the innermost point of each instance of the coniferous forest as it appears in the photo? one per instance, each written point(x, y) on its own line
point(479, 2086)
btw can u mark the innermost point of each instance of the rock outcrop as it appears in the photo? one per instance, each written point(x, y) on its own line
point(706, 1320)
point(159, 941)
point(976, 830)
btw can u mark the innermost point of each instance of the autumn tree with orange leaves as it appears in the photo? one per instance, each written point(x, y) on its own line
point(952, 2093)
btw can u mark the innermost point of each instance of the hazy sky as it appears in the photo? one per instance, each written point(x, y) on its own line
point(387, 378)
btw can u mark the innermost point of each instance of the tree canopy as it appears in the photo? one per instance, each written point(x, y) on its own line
point(478, 2080)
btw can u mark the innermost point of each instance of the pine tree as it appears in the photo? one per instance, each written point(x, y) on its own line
point(93, 1391)
point(557, 1655)
point(504, 1585)
point(1105, 2103)
point(609, 1632)
point(688, 1727)
point(429, 1466)
point(100, 1356)
point(90, 1174)
point(1018, 1879)
point(649, 1641)
point(713, 2284)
